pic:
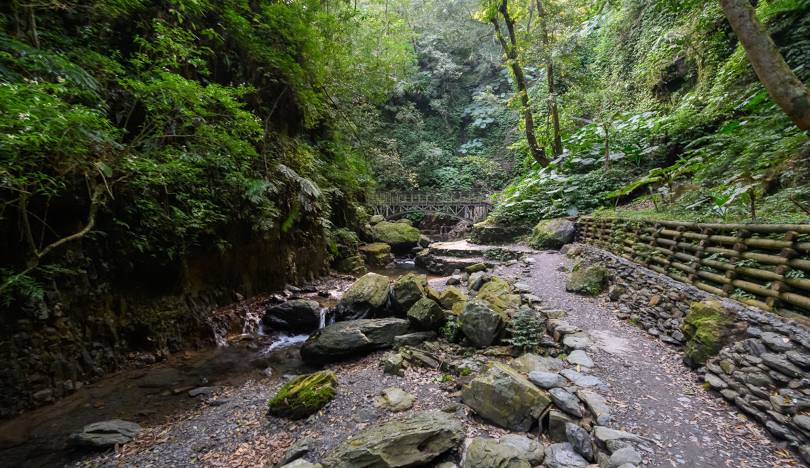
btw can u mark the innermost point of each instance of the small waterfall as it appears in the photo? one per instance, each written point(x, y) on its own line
point(252, 322)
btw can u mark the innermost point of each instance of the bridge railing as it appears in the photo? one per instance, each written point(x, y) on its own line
point(420, 197)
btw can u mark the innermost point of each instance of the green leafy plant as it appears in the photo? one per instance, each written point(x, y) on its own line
point(526, 330)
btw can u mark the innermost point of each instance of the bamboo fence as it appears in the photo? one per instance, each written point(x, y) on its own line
point(762, 265)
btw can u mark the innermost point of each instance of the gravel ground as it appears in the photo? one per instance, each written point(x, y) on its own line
point(651, 392)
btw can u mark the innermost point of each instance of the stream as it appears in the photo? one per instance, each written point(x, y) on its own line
point(152, 395)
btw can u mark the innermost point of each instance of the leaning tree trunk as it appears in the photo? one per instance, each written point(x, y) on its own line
point(552, 96)
point(510, 50)
point(786, 90)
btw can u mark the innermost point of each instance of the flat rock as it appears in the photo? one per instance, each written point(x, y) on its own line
point(604, 434)
point(624, 456)
point(563, 455)
point(547, 380)
point(487, 453)
point(105, 434)
point(580, 358)
point(414, 440)
point(395, 399)
point(597, 405)
point(776, 342)
point(530, 362)
point(413, 339)
point(576, 341)
point(345, 339)
point(566, 401)
point(581, 380)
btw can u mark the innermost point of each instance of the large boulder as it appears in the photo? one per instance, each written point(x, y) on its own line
point(530, 362)
point(499, 295)
point(451, 296)
point(377, 254)
point(408, 289)
point(298, 315)
point(415, 440)
point(590, 280)
point(708, 327)
point(489, 232)
point(488, 453)
point(345, 339)
point(426, 314)
point(505, 397)
point(105, 434)
point(303, 395)
point(366, 298)
point(480, 324)
point(552, 233)
point(400, 236)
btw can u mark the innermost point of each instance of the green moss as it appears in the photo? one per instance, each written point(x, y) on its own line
point(589, 280)
point(497, 293)
point(304, 395)
point(397, 235)
point(706, 327)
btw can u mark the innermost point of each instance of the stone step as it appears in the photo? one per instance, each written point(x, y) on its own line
point(466, 249)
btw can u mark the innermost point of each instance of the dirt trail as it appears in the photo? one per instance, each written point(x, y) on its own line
point(650, 391)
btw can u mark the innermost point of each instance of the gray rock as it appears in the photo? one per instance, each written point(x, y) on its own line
point(781, 364)
point(580, 440)
point(556, 425)
point(366, 298)
point(414, 440)
point(576, 341)
point(566, 401)
point(715, 381)
point(579, 357)
point(480, 324)
point(503, 396)
point(201, 391)
point(453, 280)
point(407, 290)
point(413, 339)
point(800, 359)
point(546, 380)
point(477, 280)
point(802, 421)
point(529, 449)
point(395, 399)
point(105, 434)
point(394, 364)
point(298, 315)
point(301, 463)
point(345, 339)
point(776, 342)
point(426, 314)
point(613, 445)
point(597, 405)
point(563, 456)
point(531, 362)
point(487, 453)
point(604, 434)
point(627, 455)
point(296, 451)
point(532, 299)
point(581, 380)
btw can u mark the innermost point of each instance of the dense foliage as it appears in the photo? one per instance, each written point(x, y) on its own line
point(663, 116)
point(173, 126)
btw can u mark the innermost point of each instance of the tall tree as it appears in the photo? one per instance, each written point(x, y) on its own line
point(782, 85)
point(552, 96)
point(510, 50)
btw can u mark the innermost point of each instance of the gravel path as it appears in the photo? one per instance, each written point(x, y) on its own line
point(651, 392)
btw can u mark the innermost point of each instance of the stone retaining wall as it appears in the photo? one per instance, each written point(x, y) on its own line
point(766, 374)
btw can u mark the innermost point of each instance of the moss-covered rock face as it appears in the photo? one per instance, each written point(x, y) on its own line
point(366, 298)
point(708, 327)
point(590, 280)
point(400, 236)
point(408, 289)
point(377, 254)
point(451, 296)
point(552, 234)
point(426, 314)
point(498, 294)
point(304, 395)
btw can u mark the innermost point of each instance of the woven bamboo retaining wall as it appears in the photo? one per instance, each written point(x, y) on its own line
point(762, 265)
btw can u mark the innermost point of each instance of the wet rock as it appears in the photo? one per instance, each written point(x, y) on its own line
point(303, 395)
point(552, 233)
point(413, 339)
point(480, 324)
point(531, 362)
point(597, 405)
point(366, 298)
point(395, 399)
point(407, 290)
point(563, 456)
point(547, 380)
point(297, 315)
point(488, 453)
point(566, 401)
point(105, 434)
point(344, 339)
point(503, 396)
point(579, 358)
point(413, 440)
point(580, 440)
point(426, 314)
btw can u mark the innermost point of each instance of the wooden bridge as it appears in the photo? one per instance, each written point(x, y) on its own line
point(468, 206)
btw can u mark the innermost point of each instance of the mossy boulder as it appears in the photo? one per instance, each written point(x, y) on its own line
point(345, 339)
point(499, 295)
point(480, 324)
point(590, 280)
point(426, 314)
point(377, 254)
point(355, 265)
point(376, 219)
point(304, 395)
point(552, 233)
point(400, 236)
point(451, 296)
point(344, 248)
point(408, 289)
point(367, 297)
point(505, 397)
point(708, 327)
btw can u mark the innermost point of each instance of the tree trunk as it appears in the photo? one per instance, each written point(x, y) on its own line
point(552, 93)
point(510, 50)
point(786, 90)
